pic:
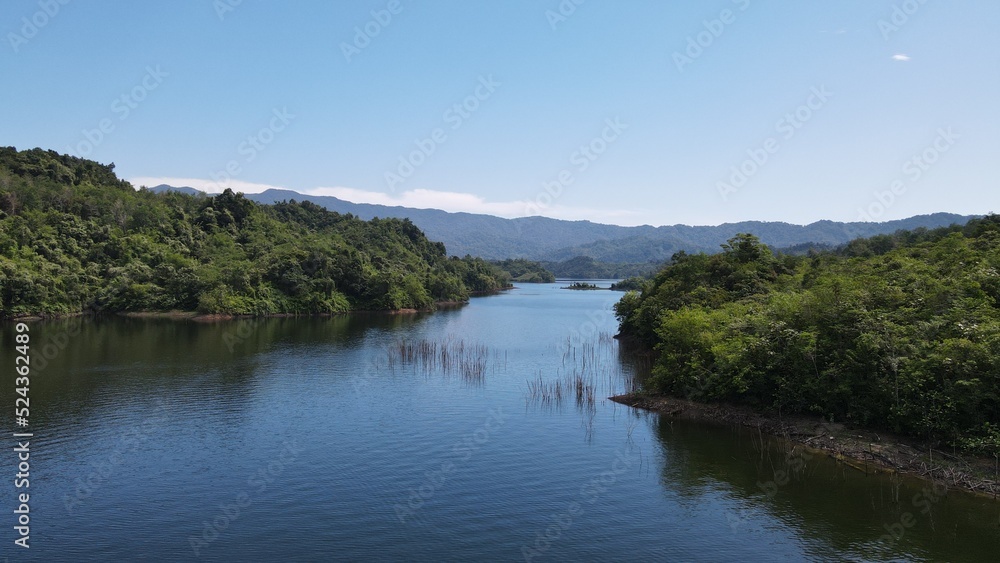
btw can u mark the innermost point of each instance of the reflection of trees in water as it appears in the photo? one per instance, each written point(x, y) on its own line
point(636, 361)
point(761, 482)
point(82, 364)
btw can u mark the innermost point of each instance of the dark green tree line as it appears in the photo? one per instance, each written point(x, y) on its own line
point(899, 332)
point(74, 237)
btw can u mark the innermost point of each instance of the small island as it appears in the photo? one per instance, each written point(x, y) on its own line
point(582, 285)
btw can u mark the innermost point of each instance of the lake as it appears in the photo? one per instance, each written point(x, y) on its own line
point(478, 433)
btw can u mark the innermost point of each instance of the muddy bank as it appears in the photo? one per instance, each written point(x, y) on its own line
point(40, 317)
point(214, 317)
point(161, 315)
point(863, 450)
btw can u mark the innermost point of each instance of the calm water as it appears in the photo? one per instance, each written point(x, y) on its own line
point(319, 439)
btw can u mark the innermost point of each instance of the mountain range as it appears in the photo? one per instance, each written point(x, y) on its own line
point(556, 240)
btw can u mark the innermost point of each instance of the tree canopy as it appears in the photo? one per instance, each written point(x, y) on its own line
point(900, 332)
point(74, 237)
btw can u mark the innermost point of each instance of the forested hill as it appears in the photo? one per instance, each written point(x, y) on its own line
point(74, 237)
point(897, 332)
point(554, 240)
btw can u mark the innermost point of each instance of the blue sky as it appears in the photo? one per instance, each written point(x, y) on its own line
point(627, 112)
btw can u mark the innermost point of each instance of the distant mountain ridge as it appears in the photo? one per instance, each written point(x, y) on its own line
point(542, 238)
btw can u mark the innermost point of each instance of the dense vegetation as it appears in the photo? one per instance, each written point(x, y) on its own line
point(636, 283)
point(74, 237)
point(587, 268)
point(897, 332)
point(525, 271)
point(581, 285)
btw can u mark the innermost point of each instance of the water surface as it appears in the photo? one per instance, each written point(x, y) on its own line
point(308, 439)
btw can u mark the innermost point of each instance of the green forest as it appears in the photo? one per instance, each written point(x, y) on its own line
point(525, 271)
point(588, 268)
point(75, 238)
point(896, 332)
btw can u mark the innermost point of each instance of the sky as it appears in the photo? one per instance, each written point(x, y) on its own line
point(626, 112)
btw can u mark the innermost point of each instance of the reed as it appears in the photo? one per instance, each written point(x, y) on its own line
point(545, 392)
point(472, 361)
point(611, 370)
point(578, 386)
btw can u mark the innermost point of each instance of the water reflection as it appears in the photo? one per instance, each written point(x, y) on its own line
point(215, 401)
point(834, 509)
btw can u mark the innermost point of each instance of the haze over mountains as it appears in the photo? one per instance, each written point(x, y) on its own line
point(545, 239)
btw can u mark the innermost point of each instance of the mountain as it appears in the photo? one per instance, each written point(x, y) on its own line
point(555, 240)
point(487, 236)
point(184, 190)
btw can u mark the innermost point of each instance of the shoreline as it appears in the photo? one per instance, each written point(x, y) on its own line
point(864, 450)
point(199, 316)
point(212, 317)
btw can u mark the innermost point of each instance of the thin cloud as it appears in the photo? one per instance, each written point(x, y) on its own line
point(460, 202)
point(207, 186)
point(901, 57)
point(425, 199)
point(455, 202)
